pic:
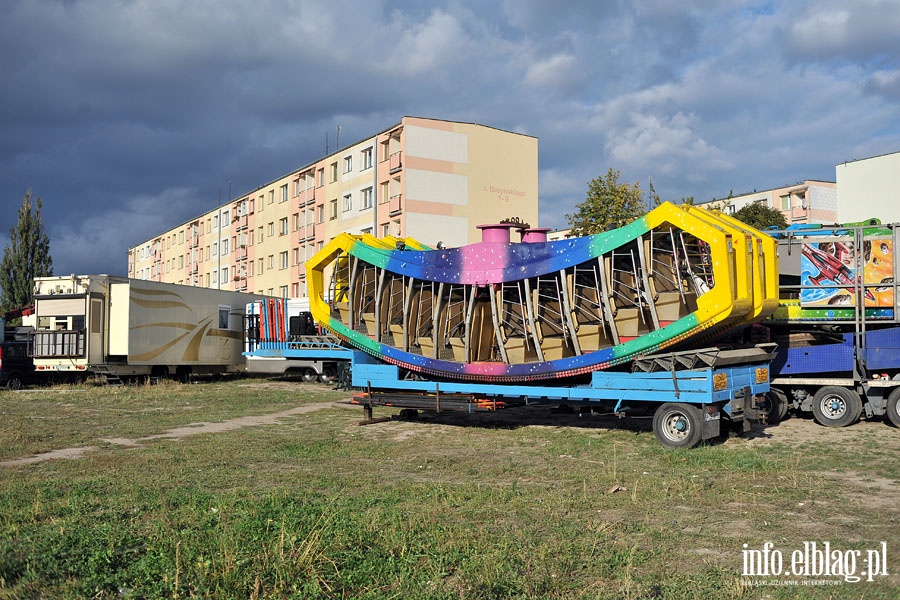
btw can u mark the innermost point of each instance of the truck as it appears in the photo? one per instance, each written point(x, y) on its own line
point(693, 395)
point(837, 326)
point(116, 327)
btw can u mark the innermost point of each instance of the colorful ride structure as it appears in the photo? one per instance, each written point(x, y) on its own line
point(503, 311)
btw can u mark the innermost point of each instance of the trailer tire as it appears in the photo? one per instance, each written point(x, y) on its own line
point(775, 406)
point(893, 407)
point(835, 406)
point(678, 425)
point(309, 375)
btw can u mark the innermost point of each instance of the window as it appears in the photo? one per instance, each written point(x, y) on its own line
point(348, 202)
point(262, 204)
point(348, 164)
point(215, 221)
point(367, 198)
point(334, 209)
point(225, 221)
point(786, 202)
point(366, 231)
point(334, 172)
point(225, 247)
point(223, 316)
point(283, 260)
point(259, 235)
point(385, 229)
point(385, 192)
point(283, 226)
point(224, 275)
point(260, 269)
point(366, 159)
point(296, 256)
point(215, 249)
point(271, 196)
point(320, 211)
point(271, 261)
point(320, 176)
point(284, 193)
point(271, 228)
point(283, 291)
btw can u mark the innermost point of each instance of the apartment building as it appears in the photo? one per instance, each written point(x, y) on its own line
point(808, 202)
point(429, 179)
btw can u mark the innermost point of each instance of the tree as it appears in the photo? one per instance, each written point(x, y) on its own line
point(608, 204)
point(27, 256)
point(760, 216)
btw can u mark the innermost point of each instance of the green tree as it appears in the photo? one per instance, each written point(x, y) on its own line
point(27, 256)
point(608, 204)
point(761, 216)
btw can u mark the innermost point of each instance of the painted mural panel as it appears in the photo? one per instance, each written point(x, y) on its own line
point(830, 268)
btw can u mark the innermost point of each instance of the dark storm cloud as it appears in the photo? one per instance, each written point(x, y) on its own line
point(130, 117)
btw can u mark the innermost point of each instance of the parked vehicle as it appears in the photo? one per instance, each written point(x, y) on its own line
point(281, 338)
point(119, 327)
point(838, 323)
point(16, 366)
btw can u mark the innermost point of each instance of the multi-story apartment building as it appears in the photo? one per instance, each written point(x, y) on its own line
point(428, 179)
point(807, 202)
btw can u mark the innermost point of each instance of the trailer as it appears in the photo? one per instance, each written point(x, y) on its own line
point(693, 395)
point(118, 327)
point(282, 339)
point(838, 324)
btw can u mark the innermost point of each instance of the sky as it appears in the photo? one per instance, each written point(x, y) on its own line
point(129, 117)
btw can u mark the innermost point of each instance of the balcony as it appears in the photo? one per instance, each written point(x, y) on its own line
point(306, 232)
point(306, 197)
point(396, 161)
point(240, 223)
point(240, 253)
point(396, 204)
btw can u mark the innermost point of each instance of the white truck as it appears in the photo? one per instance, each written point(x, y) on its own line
point(119, 327)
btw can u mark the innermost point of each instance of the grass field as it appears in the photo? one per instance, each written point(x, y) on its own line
point(266, 489)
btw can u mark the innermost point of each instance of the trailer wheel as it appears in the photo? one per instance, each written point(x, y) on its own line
point(678, 425)
point(893, 407)
point(835, 406)
point(327, 377)
point(309, 375)
point(775, 406)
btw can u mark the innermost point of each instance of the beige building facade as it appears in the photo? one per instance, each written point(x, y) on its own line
point(429, 179)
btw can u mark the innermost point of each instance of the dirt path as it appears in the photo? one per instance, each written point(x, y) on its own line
point(178, 433)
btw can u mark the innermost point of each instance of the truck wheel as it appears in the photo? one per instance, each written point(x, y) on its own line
point(14, 382)
point(309, 376)
point(775, 406)
point(678, 425)
point(835, 406)
point(893, 407)
point(327, 377)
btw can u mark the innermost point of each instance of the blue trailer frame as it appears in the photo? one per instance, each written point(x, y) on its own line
point(691, 392)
